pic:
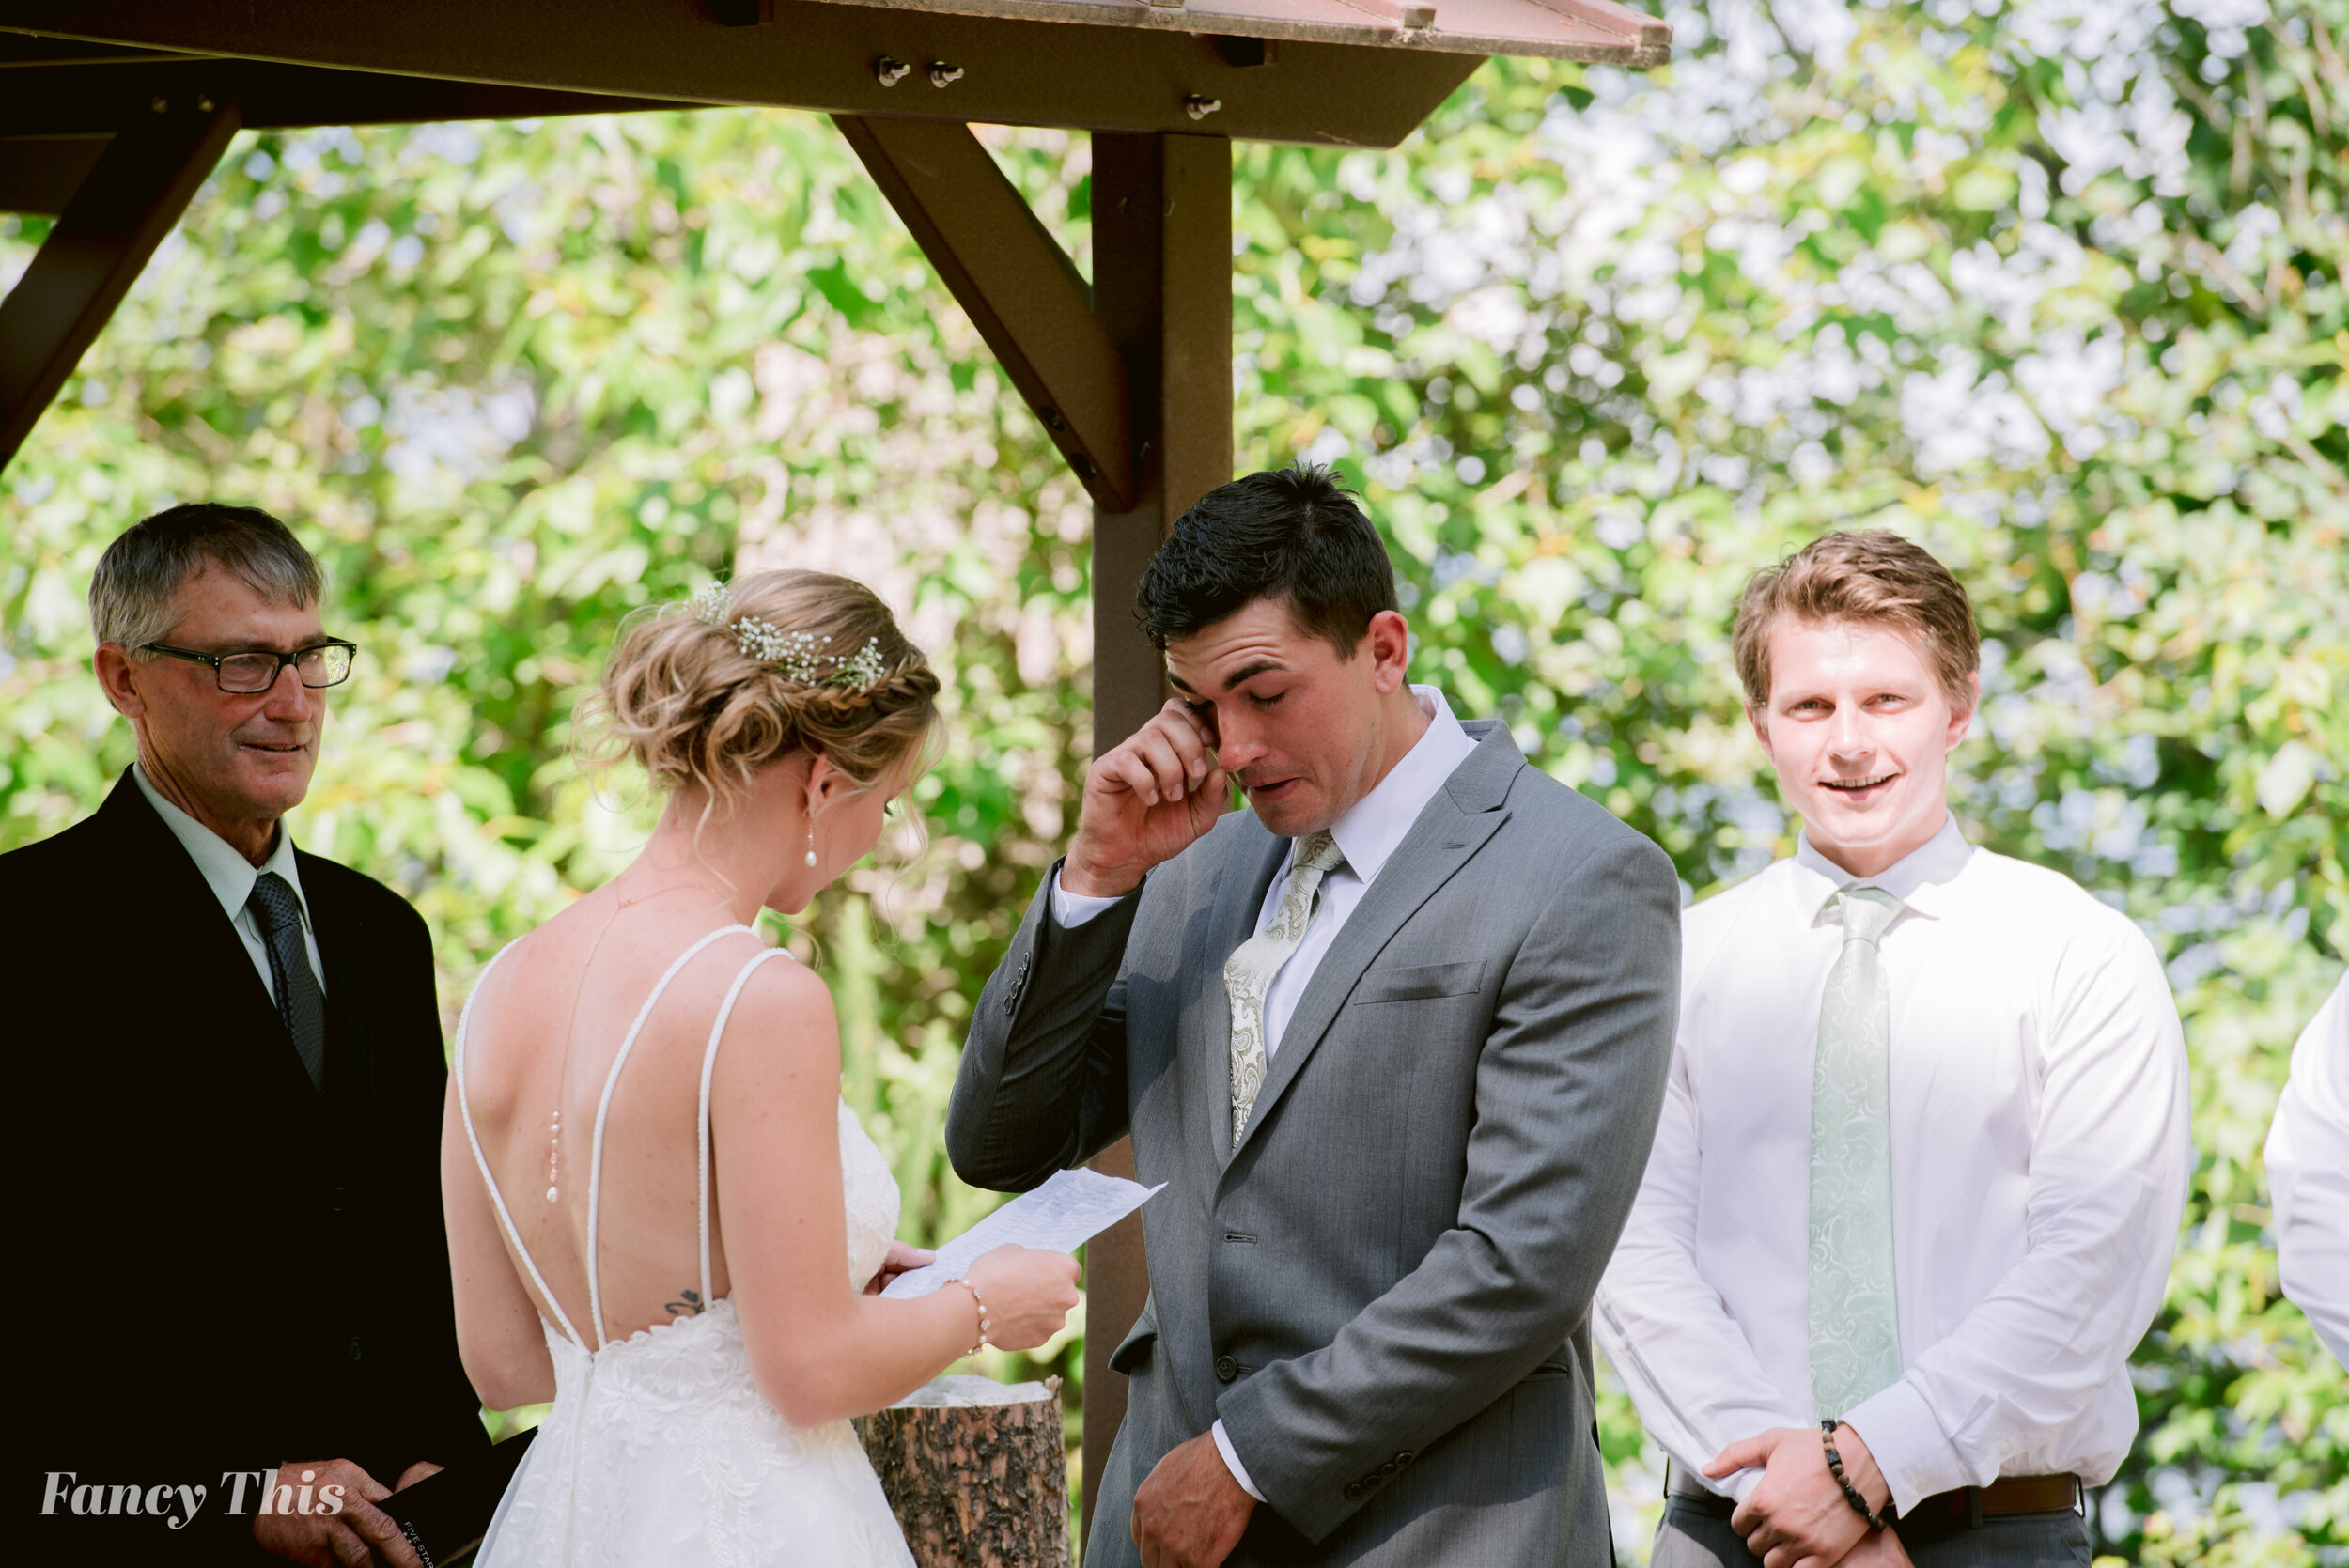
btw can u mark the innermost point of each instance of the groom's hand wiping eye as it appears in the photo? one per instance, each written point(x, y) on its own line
point(1145, 801)
point(1202, 714)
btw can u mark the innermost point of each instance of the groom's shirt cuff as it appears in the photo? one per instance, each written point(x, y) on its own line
point(1070, 910)
point(1222, 1443)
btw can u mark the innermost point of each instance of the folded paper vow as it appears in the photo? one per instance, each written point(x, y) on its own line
point(1059, 1216)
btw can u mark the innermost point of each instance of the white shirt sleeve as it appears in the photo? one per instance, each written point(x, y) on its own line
point(1072, 910)
point(2307, 1174)
point(1231, 1463)
point(2108, 1166)
point(1695, 1379)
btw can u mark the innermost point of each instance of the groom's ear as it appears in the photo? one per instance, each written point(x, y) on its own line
point(1388, 640)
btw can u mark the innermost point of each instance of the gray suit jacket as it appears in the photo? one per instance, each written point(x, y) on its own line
point(1384, 1291)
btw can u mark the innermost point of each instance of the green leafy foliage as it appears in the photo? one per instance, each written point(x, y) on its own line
point(2056, 288)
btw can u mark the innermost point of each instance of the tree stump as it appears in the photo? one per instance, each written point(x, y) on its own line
point(977, 1472)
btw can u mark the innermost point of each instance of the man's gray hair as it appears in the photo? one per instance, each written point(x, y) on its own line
point(133, 594)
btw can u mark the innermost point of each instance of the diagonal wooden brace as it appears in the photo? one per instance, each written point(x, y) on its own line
point(133, 196)
point(1020, 290)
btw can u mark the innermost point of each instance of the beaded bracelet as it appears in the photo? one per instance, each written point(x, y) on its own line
point(984, 1324)
point(1835, 1466)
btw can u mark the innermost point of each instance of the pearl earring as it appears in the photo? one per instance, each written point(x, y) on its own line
point(811, 846)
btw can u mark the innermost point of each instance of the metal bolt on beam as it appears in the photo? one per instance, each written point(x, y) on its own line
point(941, 73)
point(890, 72)
point(1199, 106)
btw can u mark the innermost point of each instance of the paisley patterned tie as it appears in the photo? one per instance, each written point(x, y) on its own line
point(1248, 973)
point(1854, 1337)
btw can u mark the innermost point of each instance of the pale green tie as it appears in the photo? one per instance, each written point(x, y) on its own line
point(1248, 973)
point(1855, 1336)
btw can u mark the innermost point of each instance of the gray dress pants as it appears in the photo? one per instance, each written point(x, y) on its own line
point(1691, 1536)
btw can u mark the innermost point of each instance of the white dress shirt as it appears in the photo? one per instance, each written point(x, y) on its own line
point(231, 876)
point(2308, 1174)
point(1368, 835)
point(2038, 1168)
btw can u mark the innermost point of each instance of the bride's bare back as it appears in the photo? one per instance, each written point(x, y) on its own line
point(543, 1034)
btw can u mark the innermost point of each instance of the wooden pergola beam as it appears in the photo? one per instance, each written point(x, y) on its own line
point(38, 175)
point(824, 55)
point(136, 191)
point(1017, 284)
point(97, 98)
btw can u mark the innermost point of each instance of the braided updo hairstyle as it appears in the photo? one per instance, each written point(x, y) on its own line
point(683, 698)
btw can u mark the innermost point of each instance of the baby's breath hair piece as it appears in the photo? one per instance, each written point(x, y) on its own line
point(682, 697)
point(798, 657)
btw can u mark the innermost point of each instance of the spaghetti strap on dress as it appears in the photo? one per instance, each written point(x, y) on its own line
point(660, 1451)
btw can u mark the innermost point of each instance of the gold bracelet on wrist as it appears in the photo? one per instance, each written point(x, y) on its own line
point(980, 1301)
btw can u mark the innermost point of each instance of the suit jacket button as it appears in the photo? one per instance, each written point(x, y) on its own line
point(1353, 1490)
point(1225, 1369)
point(1404, 1457)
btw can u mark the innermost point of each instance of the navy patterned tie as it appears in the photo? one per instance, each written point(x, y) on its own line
point(300, 1003)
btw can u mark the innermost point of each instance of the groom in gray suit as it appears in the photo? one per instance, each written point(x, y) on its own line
point(1395, 1038)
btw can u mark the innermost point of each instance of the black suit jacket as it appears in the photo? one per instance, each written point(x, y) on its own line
point(224, 1269)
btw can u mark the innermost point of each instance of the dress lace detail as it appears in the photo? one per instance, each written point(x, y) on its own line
point(660, 1453)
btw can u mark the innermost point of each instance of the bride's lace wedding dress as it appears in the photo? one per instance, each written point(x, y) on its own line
point(659, 1450)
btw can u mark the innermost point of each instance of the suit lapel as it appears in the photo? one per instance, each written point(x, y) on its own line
point(350, 1046)
point(1233, 899)
point(1450, 830)
point(220, 969)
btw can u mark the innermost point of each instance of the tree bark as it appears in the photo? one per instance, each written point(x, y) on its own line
point(974, 1485)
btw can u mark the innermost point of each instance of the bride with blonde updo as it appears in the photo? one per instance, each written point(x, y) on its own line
point(661, 1217)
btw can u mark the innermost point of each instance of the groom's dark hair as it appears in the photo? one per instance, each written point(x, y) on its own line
point(1291, 534)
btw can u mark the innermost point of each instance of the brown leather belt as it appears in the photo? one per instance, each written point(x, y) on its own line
point(2002, 1499)
point(1967, 1505)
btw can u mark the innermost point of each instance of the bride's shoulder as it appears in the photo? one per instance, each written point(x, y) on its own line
point(779, 997)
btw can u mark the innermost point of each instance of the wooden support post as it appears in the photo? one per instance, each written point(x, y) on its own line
point(133, 194)
point(1162, 288)
point(1019, 288)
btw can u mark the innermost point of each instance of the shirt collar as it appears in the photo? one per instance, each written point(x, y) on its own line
point(1920, 880)
point(1373, 828)
point(228, 874)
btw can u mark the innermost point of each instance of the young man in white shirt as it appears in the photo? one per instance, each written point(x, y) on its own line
point(1923, 1150)
point(2307, 1174)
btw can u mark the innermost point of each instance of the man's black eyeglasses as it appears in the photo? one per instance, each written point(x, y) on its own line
point(326, 664)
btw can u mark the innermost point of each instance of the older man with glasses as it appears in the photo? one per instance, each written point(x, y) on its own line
point(227, 1155)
